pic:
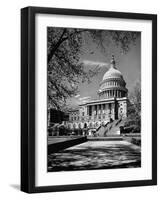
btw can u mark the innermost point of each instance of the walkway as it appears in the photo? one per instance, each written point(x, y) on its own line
point(96, 155)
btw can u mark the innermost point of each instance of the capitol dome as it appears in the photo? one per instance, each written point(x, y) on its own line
point(112, 73)
point(113, 83)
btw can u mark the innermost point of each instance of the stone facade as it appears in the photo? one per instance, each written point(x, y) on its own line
point(111, 104)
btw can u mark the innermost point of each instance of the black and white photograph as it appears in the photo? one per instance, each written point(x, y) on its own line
point(93, 99)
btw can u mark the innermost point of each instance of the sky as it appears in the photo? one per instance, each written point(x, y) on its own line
point(128, 64)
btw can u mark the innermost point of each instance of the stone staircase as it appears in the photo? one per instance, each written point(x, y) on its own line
point(110, 129)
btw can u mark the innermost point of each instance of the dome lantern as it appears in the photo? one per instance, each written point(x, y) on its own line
point(113, 63)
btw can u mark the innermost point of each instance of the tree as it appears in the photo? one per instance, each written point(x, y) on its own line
point(65, 71)
point(134, 108)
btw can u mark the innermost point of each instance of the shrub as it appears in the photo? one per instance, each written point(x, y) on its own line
point(136, 141)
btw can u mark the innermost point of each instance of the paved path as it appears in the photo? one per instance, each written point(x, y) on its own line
point(96, 155)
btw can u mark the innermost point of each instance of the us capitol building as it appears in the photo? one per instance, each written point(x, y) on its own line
point(111, 103)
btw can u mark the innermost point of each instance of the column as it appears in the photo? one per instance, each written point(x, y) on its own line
point(85, 111)
point(88, 110)
point(112, 111)
point(125, 108)
point(98, 109)
point(97, 112)
point(92, 107)
point(101, 111)
point(95, 109)
point(106, 110)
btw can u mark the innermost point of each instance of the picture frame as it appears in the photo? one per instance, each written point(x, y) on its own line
point(29, 100)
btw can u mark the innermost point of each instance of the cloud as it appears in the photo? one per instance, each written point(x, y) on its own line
point(95, 63)
point(84, 98)
point(78, 95)
point(85, 101)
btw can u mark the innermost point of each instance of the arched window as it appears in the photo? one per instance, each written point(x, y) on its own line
point(90, 125)
point(85, 125)
point(74, 126)
point(79, 125)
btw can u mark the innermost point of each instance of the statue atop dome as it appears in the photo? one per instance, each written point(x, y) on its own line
point(113, 63)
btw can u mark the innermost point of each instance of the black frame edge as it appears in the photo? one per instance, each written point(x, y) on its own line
point(154, 99)
point(27, 103)
point(91, 13)
point(24, 101)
